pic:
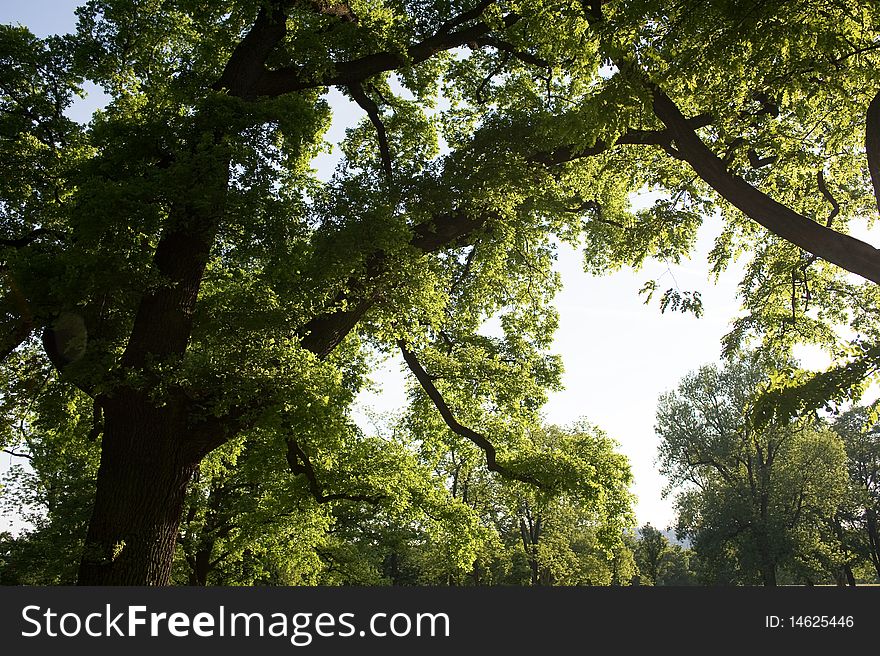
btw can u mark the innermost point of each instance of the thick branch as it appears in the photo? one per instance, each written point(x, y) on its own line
point(286, 80)
point(464, 17)
point(439, 402)
point(325, 332)
point(872, 144)
point(757, 162)
point(300, 464)
point(661, 138)
point(369, 106)
point(17, 454)
point(247, 63)
point(448, 230)
point(846, 252)
point(31, 237)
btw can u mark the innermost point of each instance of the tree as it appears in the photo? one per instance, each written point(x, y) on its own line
point(755, 500)
point(181, 266)
point(572, 534)
point(861, 514)
point(575, 538)
point(52, 486)
point(652, 546)
point(661, 562)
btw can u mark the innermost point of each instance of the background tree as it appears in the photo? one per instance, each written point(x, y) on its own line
point(660, 561)
point(755, 500)
point(48, 428)
point(652, 546)
point(858, 517)
point(573, 535)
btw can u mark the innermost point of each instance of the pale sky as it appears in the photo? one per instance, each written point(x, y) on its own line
point(619, 354)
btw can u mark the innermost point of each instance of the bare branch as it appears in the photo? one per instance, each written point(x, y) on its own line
point(835, 206)
point(757, 162)
point(488, 79)
point(510, 49)
point(17, 454)
point(463, 274)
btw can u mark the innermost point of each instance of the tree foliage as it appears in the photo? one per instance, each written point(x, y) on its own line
point(660, 561)
point(756, 502)
point(858, 520)
point(178, 262)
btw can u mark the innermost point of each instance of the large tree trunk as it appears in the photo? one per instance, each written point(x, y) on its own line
point(148, 452)
point(141, 486)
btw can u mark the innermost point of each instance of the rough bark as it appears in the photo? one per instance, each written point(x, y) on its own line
point(150, 448)
point(141, 486)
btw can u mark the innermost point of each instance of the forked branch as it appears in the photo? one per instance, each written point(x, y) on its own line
point(299, 464)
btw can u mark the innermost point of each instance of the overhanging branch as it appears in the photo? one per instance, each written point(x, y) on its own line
point(478, 439)
point(324, 332)
point(300, 464)
point(872, 144)
point(285, 80)
point(662, 138)
point(846, 252)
